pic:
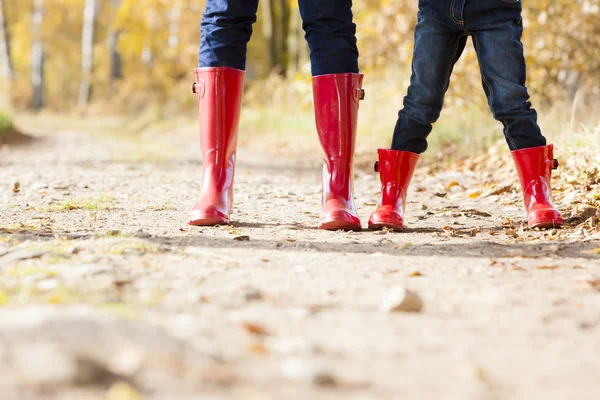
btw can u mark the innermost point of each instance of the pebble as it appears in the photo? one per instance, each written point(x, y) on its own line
point(400, 299)
point(308, 371)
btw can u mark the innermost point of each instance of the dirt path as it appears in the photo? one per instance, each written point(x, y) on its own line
point(104, 288)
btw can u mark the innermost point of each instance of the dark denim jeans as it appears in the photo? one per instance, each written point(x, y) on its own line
point(227, 26)
point(440, 37)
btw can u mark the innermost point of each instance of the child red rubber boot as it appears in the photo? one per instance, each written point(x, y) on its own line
point(395, 169)
point(535, 166)
point(219, 91)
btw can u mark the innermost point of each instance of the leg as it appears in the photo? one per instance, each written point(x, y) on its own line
point(330, 34)
point(337, 91)
point(502, 65)
point(226, 28)
point(503, 72)
point(437, 48)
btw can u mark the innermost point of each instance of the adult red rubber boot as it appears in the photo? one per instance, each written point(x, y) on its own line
point(395, 169)
point(535, 165)
point(336, 98)
point(219, 91)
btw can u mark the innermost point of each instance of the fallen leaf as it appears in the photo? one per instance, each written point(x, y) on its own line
point(547, 267)
point(3, 298)
point(511, 232)
point(452, 184)
point(123, 391)
point(255, 329)
point(577, 267)
point(500, 190)
point(258, 348)
point(16, 187)
point(594, 283)
point(415, 274)
point(474, 195)
point(593, 251)
point(403, 246)
point(473, 212)
point(244, 238)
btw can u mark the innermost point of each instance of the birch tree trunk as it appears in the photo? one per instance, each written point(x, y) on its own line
point(87, 51)
point(174, 25)
point(37, 56)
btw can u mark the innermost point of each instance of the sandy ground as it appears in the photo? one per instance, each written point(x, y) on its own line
point(106, 293)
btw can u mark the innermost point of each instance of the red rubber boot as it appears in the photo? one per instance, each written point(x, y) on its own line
point(219, 91)
point(535, 166)
point(395, 169)
point(336, 98)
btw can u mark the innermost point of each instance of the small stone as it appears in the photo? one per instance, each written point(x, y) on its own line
point(400, 299)
point(252, 294)
point(309, 371)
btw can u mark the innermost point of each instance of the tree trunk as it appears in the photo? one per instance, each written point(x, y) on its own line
point(5, 61)
point(37, 56)
point(276, 27)
point(268, 28)
point(283, 13)
point(174, 25)
point(298, 52)
point(116, 66)
point(87, 51)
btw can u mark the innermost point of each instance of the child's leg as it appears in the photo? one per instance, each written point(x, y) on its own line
point(502, 64)
point(437, 48)
point(500, 52)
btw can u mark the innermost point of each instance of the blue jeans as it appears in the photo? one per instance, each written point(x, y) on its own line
point(227, 26)
point(440, 37)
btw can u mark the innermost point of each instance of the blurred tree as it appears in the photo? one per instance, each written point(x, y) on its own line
point(5, 61)
point(276, 28)
point(116, 71)
point(138, 51)
point(37, 56)
point(87, 52)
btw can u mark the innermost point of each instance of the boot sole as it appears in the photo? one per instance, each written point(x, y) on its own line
point(379, 227)
point(546, 224)
point(340, 225)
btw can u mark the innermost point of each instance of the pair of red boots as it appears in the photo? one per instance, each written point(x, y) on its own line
point(336, 98)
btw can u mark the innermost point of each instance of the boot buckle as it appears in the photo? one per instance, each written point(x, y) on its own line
point(376, 166)
point(358, 94)
point(555, 164)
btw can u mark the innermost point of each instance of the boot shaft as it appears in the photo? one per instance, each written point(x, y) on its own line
point(534, 166)
point(336, 103)
point(395, 169)
point(219, 91)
